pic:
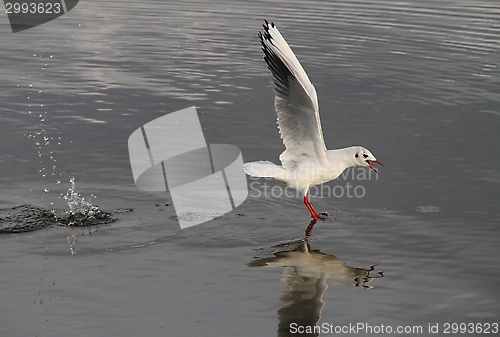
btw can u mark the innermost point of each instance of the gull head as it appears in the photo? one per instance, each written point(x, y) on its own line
point(363, 157)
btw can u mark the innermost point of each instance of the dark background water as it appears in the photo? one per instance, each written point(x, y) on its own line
point(415, 82)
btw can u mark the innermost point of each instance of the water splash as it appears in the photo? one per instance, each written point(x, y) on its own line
point(81, 211)
point(28, 218)
point(77, 204)
point(25, 218)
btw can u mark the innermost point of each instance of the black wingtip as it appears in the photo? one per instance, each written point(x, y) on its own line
point(266, 35)
point(267, 24)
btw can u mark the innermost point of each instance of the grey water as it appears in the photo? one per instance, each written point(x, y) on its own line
point(416, 82)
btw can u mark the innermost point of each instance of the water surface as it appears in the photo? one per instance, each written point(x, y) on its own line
point(415, 82)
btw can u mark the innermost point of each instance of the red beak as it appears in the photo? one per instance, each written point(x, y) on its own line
point(372, 167)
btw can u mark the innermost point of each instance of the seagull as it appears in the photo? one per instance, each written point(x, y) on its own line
point(306, 161)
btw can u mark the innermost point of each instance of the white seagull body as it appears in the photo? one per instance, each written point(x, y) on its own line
point(305, 162)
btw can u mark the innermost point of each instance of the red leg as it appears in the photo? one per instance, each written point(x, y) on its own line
point(315, 215)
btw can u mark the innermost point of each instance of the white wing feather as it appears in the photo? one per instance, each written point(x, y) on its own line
point(296, 101)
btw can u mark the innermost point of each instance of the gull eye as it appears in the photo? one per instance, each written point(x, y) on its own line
point(365, 155)
point(356, 155)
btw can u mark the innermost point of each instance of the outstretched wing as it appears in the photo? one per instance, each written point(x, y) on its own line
point(295, 101)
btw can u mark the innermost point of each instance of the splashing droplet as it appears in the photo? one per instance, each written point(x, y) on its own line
point(80, 208)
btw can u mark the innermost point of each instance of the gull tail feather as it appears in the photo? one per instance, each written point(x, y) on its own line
point(263, 169)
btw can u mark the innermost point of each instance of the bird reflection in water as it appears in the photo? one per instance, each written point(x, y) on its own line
point(306, 273)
